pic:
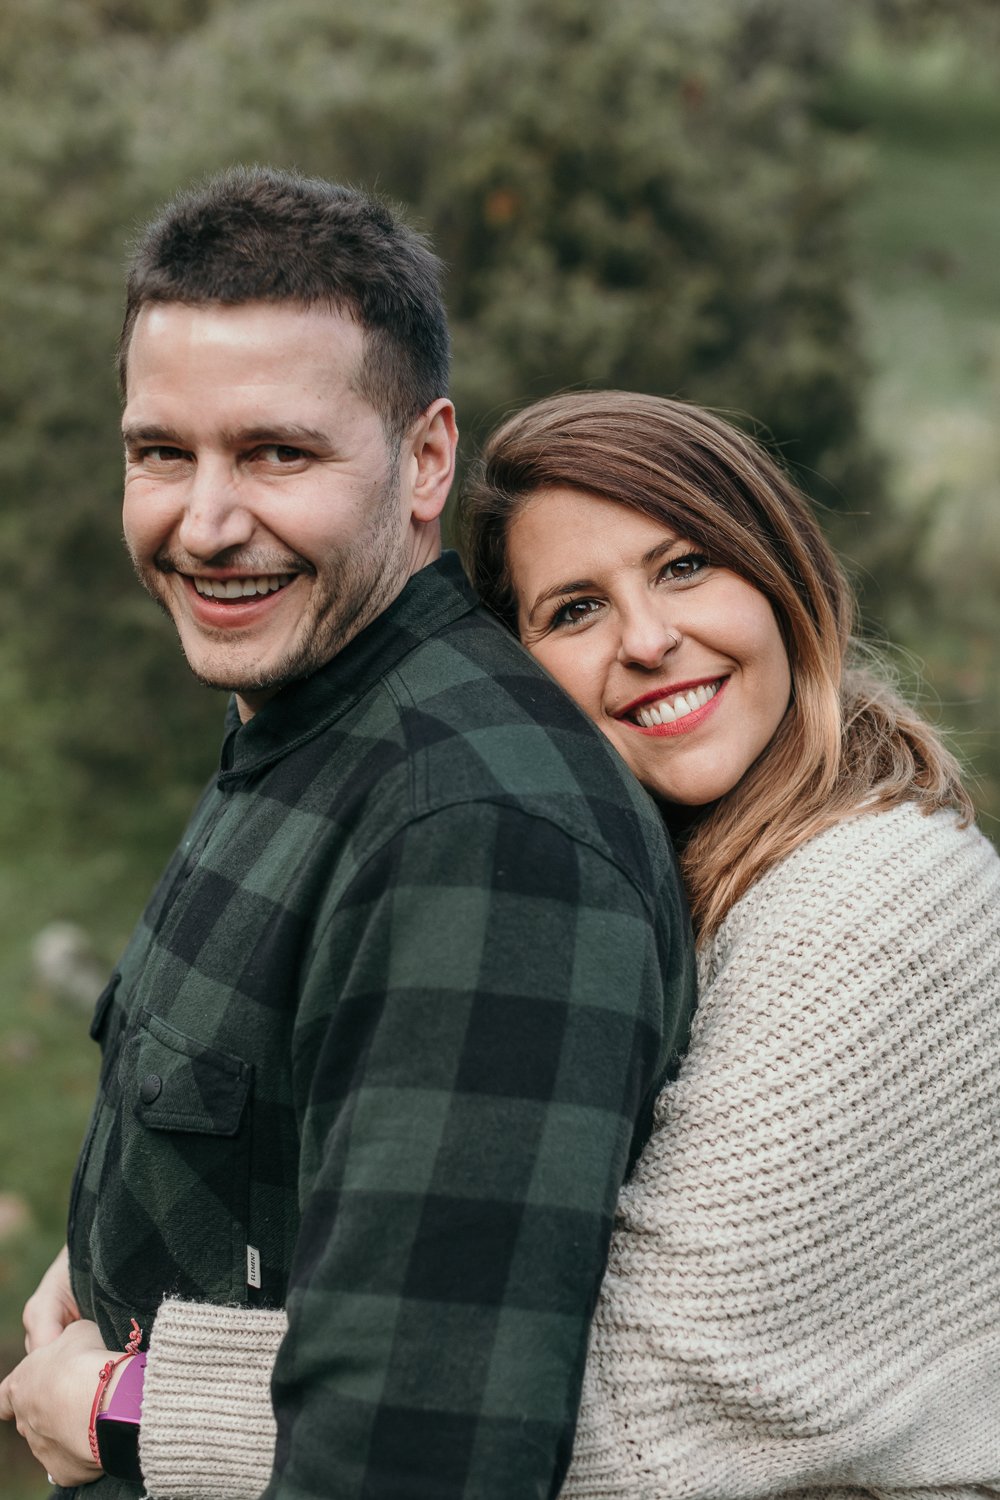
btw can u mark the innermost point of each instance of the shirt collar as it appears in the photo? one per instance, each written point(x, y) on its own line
point(431, 599)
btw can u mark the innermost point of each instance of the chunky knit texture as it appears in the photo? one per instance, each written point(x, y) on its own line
point(803, 1295)
point(208, 1429)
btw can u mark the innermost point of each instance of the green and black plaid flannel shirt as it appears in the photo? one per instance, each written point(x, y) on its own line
point(392, 1026)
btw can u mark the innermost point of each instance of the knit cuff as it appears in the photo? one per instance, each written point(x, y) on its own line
point(208, 1428)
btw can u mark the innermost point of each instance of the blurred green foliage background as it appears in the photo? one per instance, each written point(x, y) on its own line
point(779, 207)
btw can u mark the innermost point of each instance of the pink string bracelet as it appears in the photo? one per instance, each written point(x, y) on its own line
point(131, 1348)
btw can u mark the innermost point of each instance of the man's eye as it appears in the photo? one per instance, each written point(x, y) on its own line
point(280, 453)
point(160, 453)
point(574, 611)
point(680, 568)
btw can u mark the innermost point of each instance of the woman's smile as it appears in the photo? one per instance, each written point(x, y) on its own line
point(673, 710)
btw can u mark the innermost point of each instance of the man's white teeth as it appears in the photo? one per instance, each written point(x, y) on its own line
point(240, 588)
point(677, 707)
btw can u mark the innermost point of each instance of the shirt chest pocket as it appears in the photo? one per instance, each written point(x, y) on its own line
point(173, 1196)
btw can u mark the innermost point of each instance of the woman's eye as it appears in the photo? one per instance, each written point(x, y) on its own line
point(681, 568)
point(574, 611)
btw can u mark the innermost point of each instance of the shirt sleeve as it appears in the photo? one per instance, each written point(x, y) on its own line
point(481, 1025)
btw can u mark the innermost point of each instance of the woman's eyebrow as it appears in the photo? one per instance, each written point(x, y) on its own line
point(572, 587)
point(657, 552)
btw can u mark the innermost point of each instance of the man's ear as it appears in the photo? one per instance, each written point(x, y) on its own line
point(428, 460)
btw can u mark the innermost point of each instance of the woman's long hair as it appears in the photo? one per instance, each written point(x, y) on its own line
point(847, 743)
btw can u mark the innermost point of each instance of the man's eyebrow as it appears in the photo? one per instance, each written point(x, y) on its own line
point(135, 433)
point(289, 434)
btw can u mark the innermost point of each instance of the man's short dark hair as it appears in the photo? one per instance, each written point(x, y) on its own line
point(255, 234)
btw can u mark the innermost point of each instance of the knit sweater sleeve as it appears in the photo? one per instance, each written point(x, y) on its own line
point(803, 1293)
point(208, 1428)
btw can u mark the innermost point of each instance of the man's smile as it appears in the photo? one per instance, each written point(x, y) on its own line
point(240, 588)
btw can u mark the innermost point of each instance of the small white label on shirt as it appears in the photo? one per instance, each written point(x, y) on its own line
point(253, 1267)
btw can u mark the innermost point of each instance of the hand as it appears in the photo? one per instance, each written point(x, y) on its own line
point(49, 1395)
point(51, 1306)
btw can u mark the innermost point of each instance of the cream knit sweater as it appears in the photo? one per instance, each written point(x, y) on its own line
point(803, 1295)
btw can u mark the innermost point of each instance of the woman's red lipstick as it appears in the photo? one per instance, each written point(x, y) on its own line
point(688, 721)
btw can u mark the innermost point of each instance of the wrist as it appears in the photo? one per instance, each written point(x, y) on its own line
point(113, 1432)
point(117, 1426)
point(115, 1381)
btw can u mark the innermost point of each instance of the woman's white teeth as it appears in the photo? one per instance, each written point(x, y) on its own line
point(240, 588)
point(677, 707)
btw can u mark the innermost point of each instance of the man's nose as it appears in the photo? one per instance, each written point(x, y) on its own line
point(216, 517)
point(647, 637)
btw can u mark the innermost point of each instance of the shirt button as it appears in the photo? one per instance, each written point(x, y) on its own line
point(150, 1088)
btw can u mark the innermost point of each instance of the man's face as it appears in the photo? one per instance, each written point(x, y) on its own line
point(264, 508)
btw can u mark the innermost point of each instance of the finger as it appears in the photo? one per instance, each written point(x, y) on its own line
point(65, 1468)
point(51, 1307)
point(43, 1324)
point(41, 1331)
point(6, 1410)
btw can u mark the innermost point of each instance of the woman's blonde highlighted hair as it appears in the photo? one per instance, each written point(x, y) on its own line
point(848, 743)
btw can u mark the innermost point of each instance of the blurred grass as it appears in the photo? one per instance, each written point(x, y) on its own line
point(928, 229)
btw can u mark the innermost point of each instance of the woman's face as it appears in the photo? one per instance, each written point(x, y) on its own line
point(680, 663)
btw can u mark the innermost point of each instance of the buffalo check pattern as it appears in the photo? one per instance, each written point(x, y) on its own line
point(395, 1016)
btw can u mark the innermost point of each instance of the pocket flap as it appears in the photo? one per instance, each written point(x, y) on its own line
point(178, 1083)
